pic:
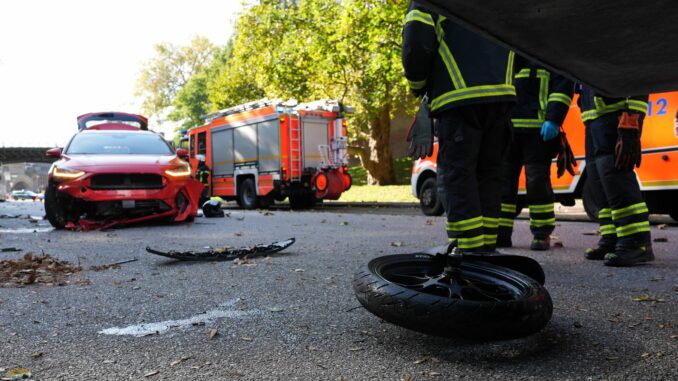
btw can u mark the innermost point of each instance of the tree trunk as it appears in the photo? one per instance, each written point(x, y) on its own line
point(377, 158)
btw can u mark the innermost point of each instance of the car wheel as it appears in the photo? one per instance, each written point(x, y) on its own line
point(428, 198)
point(247, 194)
point(56, 215)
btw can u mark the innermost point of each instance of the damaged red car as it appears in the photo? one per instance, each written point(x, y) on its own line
point(114, 171)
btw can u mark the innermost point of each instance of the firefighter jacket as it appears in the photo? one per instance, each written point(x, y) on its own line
point(594, 107)
point(203, 174)
point(542, 96)
point(454, 66)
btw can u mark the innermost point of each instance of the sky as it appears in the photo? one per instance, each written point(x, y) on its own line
point(61, 59)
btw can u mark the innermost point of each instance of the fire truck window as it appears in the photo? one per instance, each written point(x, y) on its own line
point(191, 146)
point(202, 143)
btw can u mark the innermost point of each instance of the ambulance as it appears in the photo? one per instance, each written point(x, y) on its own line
point(657, 175)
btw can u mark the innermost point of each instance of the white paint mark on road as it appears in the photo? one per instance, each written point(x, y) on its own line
point(224, 311)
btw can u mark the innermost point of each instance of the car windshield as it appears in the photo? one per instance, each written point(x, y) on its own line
point(118, 143)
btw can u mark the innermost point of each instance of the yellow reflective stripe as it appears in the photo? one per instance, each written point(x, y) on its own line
point(490, 222)
point(416, 85)
point(605, 213)
point(525, 73)
point(471, 243)
point(607, 229)
point(490, 239)
point(630, 229)
point(632, 104)
point(451, 65)
point(509, 67)
point(599, 102)
point(543, 208)
point(417, 15)
point(527, 123)
point(629, 210)
point(560, 97)
point(472, 223)
point(472, 92)
point(543, 95)
point(506, 222)
point(546, 222)
point(508, 208)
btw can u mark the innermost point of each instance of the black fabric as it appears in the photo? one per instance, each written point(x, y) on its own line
point(528, 93)
point(620, 188)
point(471, 140)
point(531, 151)
point(480, 61)
point(619, 47)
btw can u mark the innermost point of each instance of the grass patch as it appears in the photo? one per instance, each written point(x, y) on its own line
point(376, 193)
point(401, 166)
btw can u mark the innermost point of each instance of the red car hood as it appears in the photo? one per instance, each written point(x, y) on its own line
point(120, 163)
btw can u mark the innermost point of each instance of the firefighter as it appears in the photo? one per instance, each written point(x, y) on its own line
point(544, 99)
point(202, 174)
point(613, 129)
point(468, 81)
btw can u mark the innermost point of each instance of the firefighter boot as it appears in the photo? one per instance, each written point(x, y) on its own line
point(598, 254)
point(627, 256)
point(540, 244)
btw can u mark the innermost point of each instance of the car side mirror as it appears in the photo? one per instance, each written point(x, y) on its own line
point(182, 153)
point(54, 152)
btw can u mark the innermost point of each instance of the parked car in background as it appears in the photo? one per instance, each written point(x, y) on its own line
point(24, 194)
point(114, 169)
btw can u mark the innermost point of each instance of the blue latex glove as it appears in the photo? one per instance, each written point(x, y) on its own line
point(549, 130)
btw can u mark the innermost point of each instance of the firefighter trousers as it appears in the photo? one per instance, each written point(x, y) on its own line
point(472, 140)
point(530, 150)
point(623, 215)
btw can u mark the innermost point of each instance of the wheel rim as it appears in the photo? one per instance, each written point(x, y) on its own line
point(473, 281)
point(248, 196)
point(427, 197)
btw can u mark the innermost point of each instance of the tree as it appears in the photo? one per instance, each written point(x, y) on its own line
point(170, 70)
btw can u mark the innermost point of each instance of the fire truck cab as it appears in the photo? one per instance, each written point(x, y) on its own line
point(269, 150)
point(657, 176)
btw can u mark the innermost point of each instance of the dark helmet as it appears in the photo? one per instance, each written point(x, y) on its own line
point(212, 208)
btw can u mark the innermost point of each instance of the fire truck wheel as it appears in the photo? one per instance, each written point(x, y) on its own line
point(247, 194)
point(589, 201)
point(56, 215)
point(428, 198)
point(480, 301)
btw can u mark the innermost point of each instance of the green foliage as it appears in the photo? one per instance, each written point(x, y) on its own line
point(401, 166)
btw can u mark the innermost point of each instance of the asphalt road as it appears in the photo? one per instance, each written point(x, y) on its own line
point(293, 316)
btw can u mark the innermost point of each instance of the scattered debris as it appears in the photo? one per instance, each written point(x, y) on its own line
point(276, 309)
point(10, 215)
point(662, 226)
point(240, 218)
point(179, 361)
point(19, 374)
point(151, 373)
point(420, 360)
point(344, 223)
point(660, 239)
point(213, 332)
point(225, 253)
point(647, 298)
point(397, 243)
point(299, 270)
point(558, 244)
point(43, 269)
point(36, 355)
point(9, 249)
point(597, 232)
point(115, 265)
point(429, 222)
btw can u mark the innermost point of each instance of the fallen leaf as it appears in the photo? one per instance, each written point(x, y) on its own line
point(429, 222)
point(179, 361)
point(421, 360)
point(408, 377)
point(213, 332)
point(660, 239)
point(662, 226)
point(36, 355)
point(275, 309)
point(646, 354)
point(647, 298)
point(355, 349)
point(151, 373)
point(235, 373)
point(245, 338)
point(397, 243)
point(19, 373)
point(557, 244)
point(343, 223)
point(238, 234)
point(299, 270)
point(674, 337)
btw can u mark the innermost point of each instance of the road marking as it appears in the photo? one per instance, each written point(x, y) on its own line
point(224, 311)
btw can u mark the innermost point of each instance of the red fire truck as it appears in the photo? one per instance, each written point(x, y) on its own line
point(268, 150)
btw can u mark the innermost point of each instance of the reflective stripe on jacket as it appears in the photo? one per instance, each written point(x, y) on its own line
point(593, 106)
point(455, 66)
point(542, 96)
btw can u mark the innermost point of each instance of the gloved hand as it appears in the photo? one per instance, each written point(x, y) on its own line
point(549, 130)
point(566, 160)
point(420, 134)
point(627, 151)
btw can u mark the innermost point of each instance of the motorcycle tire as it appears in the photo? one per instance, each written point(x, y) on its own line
point(488, 303)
